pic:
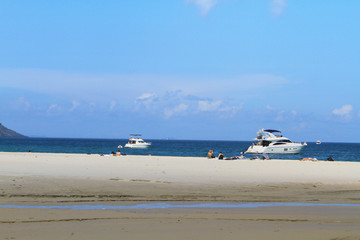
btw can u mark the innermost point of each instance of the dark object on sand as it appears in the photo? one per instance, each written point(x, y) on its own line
point(330, 159)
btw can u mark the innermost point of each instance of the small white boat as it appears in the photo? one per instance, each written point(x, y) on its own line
point(136, 142)
point(318, 142)
point(268, 142)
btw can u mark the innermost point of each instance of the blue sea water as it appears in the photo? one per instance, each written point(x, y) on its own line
point(194, 148)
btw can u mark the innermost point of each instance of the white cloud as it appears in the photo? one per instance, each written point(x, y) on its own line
point(181, 108)
point(147, 100)
point(146, 96)
point(208, 106)
point(204, 5)
point(344, 112)
point(277, 7)
point(75, 104)
point(168, 104)
point(223, 110)
point(53, 108)
point(230, 111)
point(175, 103)
point(269, 107)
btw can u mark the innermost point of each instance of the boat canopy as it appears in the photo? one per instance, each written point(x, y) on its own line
point(271, 131)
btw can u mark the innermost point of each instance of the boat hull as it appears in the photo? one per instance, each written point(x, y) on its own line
point(289, 149)
point(136, 145)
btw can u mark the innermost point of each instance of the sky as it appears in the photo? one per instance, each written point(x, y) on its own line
point(181, 69)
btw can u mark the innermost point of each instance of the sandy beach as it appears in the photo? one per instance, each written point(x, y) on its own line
point(60, 179)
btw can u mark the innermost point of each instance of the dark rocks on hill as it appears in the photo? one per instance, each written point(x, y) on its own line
point(5, 132)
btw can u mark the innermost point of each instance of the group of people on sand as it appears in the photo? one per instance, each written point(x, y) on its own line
point(315, 159)
point(210, 154)
point(265, 156)
point(118, 153)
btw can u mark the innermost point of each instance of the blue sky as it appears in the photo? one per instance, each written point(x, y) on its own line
point(183, 69)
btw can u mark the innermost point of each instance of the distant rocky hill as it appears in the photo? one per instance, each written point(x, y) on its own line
point(5, 132)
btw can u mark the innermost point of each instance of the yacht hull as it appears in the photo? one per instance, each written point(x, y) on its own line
point(137, 145)
point(290, 149)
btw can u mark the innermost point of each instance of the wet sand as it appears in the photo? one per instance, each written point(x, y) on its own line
point(261, 223)
point(58, 179)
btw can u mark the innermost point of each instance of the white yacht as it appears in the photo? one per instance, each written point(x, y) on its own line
point(136, 142)
point(268, 142)
point(318, 142)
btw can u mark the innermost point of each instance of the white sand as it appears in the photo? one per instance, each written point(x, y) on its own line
point(45, 179)
point(183, 170)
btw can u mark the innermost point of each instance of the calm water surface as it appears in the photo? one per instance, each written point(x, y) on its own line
point(338, 151)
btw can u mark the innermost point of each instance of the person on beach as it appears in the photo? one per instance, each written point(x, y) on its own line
point(221, 156)
point(235, 157)
point(118, 153)
point(210, 154)
point(309, 159)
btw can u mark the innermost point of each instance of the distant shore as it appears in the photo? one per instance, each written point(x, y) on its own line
point(81, 179)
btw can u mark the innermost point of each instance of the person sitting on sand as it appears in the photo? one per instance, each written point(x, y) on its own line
point(210, 154)
point(235, 158)
point(309, 159)
point(118, 153)
point(221, 156)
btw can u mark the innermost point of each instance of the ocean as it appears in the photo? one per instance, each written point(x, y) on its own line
point(192, 148)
